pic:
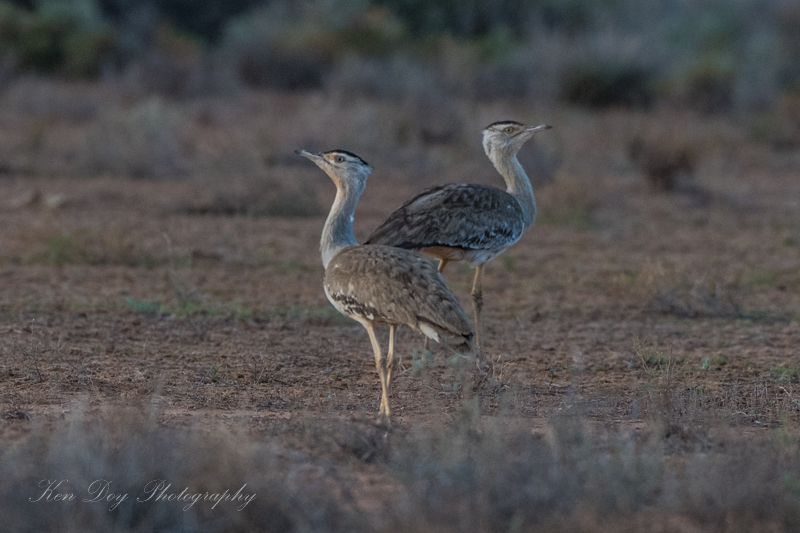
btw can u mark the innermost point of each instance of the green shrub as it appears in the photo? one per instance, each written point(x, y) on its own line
point(143, 306)
point(62, 250)
point(763, 277)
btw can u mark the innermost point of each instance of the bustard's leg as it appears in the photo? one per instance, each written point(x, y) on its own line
point(477, 304)
point(390, 362)
point(380, 364)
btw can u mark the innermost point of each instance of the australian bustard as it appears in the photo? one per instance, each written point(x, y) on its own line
point(374, 284)
point(469, 222)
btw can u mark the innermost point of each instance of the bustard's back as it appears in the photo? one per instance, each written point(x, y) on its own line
point(455, 222)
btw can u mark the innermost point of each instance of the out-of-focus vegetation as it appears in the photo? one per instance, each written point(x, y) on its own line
point(710, 55)
point(67, 37)
point(452, 477)
point(396, 76)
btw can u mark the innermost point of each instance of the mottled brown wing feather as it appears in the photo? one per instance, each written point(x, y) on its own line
point(397, 286)
point(468, 216)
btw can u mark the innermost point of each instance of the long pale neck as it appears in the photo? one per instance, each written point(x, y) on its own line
point(338, 231)
point(517, 183)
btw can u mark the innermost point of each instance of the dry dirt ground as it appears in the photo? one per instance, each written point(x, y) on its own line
point(114, 292)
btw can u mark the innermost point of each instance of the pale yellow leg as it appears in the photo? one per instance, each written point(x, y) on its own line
point(380, 363)
point(390, 362)
point(477, 305)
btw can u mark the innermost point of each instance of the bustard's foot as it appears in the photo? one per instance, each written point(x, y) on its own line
point(384, 419)
point(384, 422)
point(480, 380)
point(485, 375)
point(481, 366)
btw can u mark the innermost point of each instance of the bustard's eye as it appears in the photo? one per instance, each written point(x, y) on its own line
point(508, 129)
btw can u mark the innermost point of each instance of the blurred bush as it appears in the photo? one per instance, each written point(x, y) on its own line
point(97, 248)
point(174, 66)
point(503, 81)
point(285, 492)
point(781, 127)
point(710, 55)
point(266, 198)
point(269, 49)
point(389, 79)
point(788, 22)
point(477, 18)
point(707, 86)
point(68, 37)
point(665, 165)
point(140, 142)
point(277, 67)
point(607, 83)
point(290, 47)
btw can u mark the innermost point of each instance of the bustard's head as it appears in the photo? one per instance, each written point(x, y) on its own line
point(345, 168)
point(507, 137)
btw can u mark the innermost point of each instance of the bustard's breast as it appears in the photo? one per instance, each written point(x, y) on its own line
point(349, 304)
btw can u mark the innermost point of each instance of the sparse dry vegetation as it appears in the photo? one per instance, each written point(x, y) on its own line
point(464, 475)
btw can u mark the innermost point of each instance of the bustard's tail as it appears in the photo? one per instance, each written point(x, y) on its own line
point(459, 341)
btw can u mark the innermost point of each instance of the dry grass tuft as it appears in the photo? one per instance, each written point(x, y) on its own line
point(666, 168)
point(673, 292)
point(91, 248)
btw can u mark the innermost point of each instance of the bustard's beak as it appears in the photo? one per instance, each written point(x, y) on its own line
point(322, 163)
point(532, 129)
point(528, 132)
point(316, 158)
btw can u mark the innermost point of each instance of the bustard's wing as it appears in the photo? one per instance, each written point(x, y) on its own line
point(397, 286)
point(468, 216)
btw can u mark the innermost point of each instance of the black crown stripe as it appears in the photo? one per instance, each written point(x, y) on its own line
point(348, 153)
